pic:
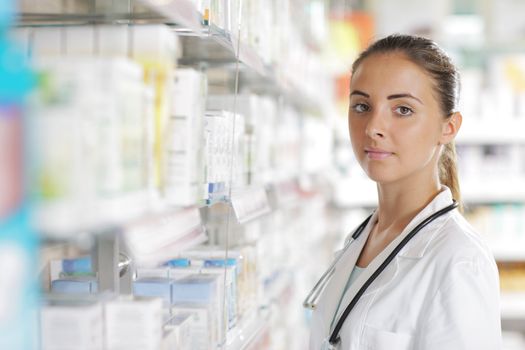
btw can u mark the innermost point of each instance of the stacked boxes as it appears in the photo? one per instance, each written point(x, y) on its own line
point(90, 140)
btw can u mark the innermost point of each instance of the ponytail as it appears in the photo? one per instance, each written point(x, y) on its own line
point(448, 172)
point(430, 57)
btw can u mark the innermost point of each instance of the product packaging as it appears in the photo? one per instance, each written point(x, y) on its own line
point(75, 326)
point(185, 141)
point(133, 323)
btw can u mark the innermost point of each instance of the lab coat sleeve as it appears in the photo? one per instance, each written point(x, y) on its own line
point(465, 311)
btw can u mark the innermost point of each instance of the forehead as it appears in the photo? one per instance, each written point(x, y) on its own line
point(391, 73)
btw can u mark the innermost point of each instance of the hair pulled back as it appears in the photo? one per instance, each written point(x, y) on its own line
point(445, 76)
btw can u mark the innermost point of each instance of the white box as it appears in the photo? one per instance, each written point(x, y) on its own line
point(190, 92)
point(154, 42)
point(201, 331)
point(66, 327)
point(185, 168)
point(180, 331)
point(133, 323)
point(113, 40)
point(49, 42)
point(80, 41)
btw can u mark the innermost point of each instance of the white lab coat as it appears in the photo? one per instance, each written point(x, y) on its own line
point(441, 292)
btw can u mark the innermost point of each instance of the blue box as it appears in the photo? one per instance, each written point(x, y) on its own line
point(75, 286)
point(194, 289)
point(154, 287)
point(79, 265)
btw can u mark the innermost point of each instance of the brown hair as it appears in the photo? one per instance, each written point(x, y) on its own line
point(429, 56)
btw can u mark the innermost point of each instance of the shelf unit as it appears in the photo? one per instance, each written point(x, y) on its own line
point(353, 193)
point(203, 47)
point(512, 311)
point(247, 334)
point(512, 251)
point(505, 131)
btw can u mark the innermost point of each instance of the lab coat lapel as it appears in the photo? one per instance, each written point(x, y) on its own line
point(342, 272)
point(385, 276)
point(415, 248)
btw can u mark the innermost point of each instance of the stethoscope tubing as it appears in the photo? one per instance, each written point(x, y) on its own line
point(310, 301)
point(334, 337)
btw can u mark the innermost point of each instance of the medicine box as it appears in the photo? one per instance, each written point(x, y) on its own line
point(203, 330)
point(74, 326)
point(75, 285)
point(133, 323)
point(154, 287)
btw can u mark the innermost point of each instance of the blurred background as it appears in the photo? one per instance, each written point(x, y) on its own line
point(176, 174)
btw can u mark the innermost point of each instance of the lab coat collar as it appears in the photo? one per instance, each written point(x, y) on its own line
point(418, 245)
point(415, 248)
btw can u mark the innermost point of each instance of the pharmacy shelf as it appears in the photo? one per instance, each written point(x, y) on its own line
point(203, 46)
point(182, 12)
point(508, 131)
point(246, 333)
point(109, 216)
point(250, 204)
point(177, 12)
point(271, 84)
point(217, 47)
point(116, 13)
point(513, 311)
point(214, 47)
point(493, 191)
point(351, 193)
point(157, 238)
point(508, 251)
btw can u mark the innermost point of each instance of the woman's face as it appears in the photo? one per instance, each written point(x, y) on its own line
point(395, 121)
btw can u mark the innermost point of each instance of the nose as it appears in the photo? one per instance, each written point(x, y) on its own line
point(376, 126)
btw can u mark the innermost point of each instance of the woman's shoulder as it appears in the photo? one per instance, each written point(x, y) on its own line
point(458, 241)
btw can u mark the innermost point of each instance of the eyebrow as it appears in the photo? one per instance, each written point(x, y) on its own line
point(359, 92)
point(391, 97)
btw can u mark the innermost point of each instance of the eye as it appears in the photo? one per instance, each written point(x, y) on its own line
point(404, 111)
point(360, 108)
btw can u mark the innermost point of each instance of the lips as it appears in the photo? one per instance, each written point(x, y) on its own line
point(377, 154)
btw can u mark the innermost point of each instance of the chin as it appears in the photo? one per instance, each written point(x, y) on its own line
point(380, 176)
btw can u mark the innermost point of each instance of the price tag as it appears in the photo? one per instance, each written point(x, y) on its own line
point(250, 204)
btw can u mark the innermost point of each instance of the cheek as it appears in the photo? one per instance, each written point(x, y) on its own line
point(418, 146)
point(421, 134)
point(356, 126)
point(356, 134)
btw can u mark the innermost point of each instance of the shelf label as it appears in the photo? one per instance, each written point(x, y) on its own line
point(161, 236)
point(182, 12)
point(250, 204)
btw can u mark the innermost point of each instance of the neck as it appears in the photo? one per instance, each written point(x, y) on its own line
point(400, 202)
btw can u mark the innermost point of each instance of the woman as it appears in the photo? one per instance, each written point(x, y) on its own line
point(440, 290)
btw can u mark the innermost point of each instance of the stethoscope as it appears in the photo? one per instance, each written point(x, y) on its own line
point(313, 297)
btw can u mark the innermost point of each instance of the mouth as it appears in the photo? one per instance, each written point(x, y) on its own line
point(377, 154)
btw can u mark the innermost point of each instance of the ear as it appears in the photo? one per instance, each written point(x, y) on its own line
point(450, 128)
